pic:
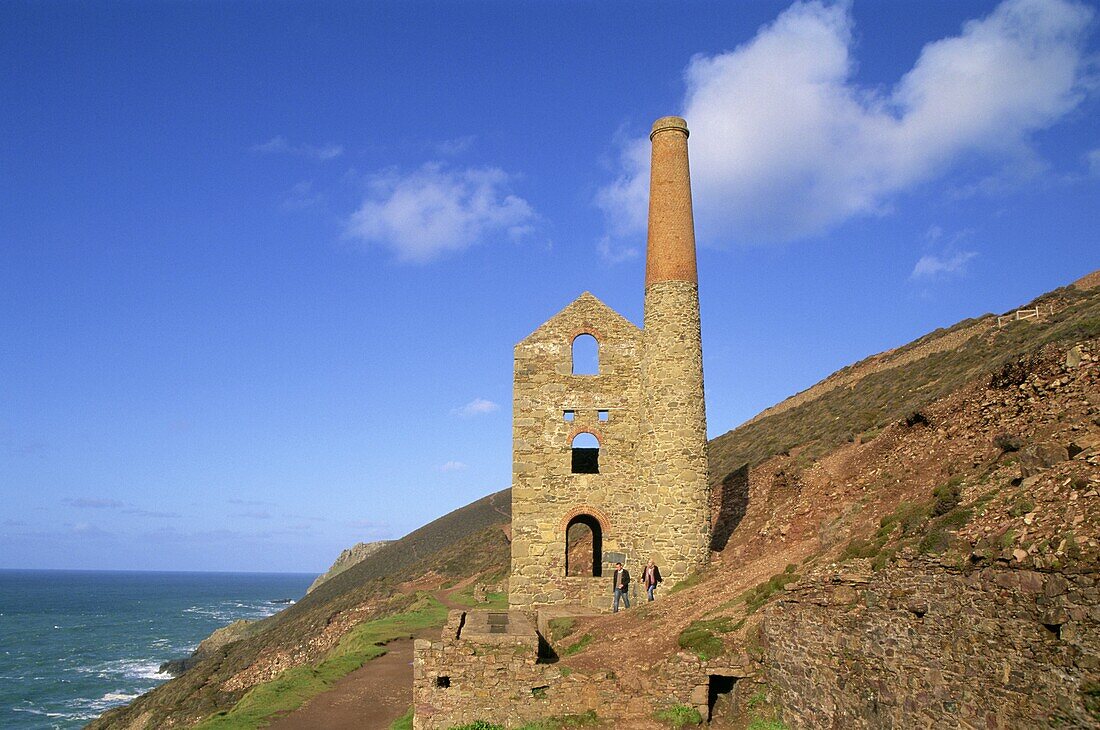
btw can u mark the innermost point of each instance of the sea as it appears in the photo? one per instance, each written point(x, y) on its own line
point(76, 643)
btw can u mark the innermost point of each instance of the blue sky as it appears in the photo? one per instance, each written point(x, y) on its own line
point(262, 265)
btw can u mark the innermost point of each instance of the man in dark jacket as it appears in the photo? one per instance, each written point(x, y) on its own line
point(620, 583)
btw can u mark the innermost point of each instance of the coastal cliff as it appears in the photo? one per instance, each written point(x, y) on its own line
point(352, 556)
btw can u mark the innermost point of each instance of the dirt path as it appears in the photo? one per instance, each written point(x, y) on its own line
point(370, 698)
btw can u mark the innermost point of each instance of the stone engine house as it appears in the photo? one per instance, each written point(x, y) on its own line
point(610, 464)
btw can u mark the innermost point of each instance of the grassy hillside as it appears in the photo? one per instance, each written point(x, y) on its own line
point(312, 633)
point(888, 394)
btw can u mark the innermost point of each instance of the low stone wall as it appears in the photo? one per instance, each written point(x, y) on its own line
point(929, 645)
point(472, 674)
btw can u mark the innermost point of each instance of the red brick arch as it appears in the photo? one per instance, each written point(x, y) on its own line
point(586, 509)
point(584, 429)
point(586, 331)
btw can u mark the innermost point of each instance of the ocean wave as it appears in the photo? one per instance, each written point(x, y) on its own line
point(127, 668)
point(229, 611)
point(111, 699)
point(89, 708)
point(36, 711)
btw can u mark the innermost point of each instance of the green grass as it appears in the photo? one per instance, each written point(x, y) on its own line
point(578, 646)
point(888, 396)
point(1021, 507)
point(494, 600)
point(981, 502)
point(1090, 693)
point(909, 516)
point(937, 539)
point(692, 580)
point(859, 548)
point(561, 627)
point(700, 637)
point(561, 722)
point(763, 715)
point(756, 597)
point(679, 716)
point(405, 722)
point(946, 497)
point(759, 723)
point(295, 686)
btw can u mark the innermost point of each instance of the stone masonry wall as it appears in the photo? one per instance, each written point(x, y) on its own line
point(545, 492)
point(674, 431)
point(503, 683)
point(928, 645)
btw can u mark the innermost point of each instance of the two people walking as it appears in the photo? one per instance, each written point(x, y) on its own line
point(620, 583)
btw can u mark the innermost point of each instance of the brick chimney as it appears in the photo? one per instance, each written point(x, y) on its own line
point(674, 420)
point(670, 249)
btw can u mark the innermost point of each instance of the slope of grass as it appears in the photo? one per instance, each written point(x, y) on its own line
point(889, 395)
point(467, 542)
point(295, 686)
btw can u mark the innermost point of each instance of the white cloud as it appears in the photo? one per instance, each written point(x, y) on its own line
point(301, 196)
point(434, 210)
point(476, 407)
point(456, 146)
point(95, 503)
point(931, 266)
point(785, 144)
point(280, 145)
point(615, 253)
point(453, 466)
point(114, 504)
point(1093, 160)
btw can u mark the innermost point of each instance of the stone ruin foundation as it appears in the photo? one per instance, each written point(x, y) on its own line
point(495, 666)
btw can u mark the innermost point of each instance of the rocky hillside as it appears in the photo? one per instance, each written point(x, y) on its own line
point(914, 542)
point(918, 548)
point(352, 556)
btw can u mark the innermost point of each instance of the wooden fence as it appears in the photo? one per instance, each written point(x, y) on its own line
point(1023, 314)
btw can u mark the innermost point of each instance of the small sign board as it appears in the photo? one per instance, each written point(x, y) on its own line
point(612, 558)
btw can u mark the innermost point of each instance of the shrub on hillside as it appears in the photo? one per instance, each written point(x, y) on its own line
point(916, 418)
point(699, 637)
point(1008, 443)
point(947, 496)
point(679, 716)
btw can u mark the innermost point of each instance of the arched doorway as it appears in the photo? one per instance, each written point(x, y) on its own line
point(584, 547)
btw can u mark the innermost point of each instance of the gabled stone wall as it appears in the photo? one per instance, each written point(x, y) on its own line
point(545, 492)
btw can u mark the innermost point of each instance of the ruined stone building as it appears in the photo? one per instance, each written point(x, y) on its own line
point(615, 460)
point(637, 490)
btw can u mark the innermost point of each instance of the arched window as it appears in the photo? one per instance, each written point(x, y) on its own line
point(586, 454)
point(584, 546)
point(586, 355)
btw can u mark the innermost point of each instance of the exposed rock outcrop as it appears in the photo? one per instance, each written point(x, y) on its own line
point(352, 556)
point(209, 646)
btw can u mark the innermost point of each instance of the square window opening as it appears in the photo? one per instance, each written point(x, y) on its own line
point(569, 415)
point(604, 415)
point(443, 681)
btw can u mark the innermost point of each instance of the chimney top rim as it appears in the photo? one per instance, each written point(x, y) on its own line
point(664, 124)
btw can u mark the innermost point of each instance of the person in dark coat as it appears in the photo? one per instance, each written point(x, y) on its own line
point(651, 576)
point(620, 584)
